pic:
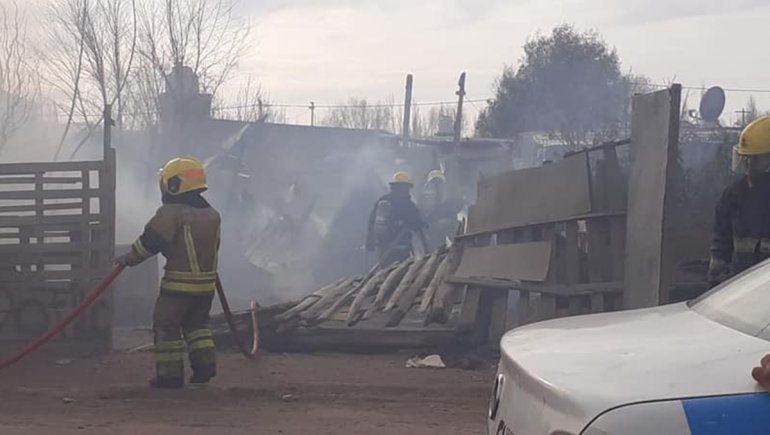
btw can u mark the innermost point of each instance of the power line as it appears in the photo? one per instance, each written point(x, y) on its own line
point(441, 103)
point(344, 106)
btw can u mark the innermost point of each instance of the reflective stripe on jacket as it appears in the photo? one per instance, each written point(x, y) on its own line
point(188, 236)
point(742, 224)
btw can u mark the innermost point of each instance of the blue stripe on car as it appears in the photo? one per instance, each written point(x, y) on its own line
point(747, 414)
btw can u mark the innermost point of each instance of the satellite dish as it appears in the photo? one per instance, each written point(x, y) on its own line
point(712, 104)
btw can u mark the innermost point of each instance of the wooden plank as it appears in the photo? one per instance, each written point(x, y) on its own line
point(308, 301)
point(25, 168)
point(84, 231)
point(575, 305)
point(17, 180)
point(407, 299)
point(471, 235)
point(32, 277)
point(501, 284)
point(523, 308)
point(52, 248)
point(597, 302)
point(390, 283)
point(43, 180)
point(617, 248)
point(44, 206)
point(48, 257)
point(521, 261)
point(546, 307)
point(38, 213)
point(499, 316)
point(470, 308)
point(336, 336)
point(572, 253)
point(406, 281)
point(553, 289)
point(29, 221)
point(51, 194)
point(598, 250)
point(654, 138)
point(515, 198)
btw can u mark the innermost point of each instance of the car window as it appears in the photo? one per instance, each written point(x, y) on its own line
point(742, 303)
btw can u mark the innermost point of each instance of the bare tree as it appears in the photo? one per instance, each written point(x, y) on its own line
point(18, 73)
point(89, 56)
point(121, 52)
point(749, 113)
point(204, 35)
point(250, 104)
point(358, 113)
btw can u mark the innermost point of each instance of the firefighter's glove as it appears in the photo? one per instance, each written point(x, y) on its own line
point(718, 271)
point(128, 259)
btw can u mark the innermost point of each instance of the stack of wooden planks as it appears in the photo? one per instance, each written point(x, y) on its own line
point(366, 308)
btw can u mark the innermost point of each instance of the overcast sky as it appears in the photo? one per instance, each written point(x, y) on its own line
point(328, 50)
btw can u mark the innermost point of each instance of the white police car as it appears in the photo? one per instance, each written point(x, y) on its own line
point(677, 369)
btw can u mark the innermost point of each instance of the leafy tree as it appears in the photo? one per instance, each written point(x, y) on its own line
point(568, 83)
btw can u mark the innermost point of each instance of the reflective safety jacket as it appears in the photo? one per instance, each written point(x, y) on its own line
point(742, 224)
point(185, 230)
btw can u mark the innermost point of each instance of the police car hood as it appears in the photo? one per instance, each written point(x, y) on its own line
point(582, 366)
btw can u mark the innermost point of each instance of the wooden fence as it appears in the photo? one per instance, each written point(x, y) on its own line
point(553, 236)
point(57, 232)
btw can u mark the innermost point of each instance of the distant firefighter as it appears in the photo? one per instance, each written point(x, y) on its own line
point(185, 229)
point(393, 221)
point(440, 208)
point(742, 219)
point(433, 193)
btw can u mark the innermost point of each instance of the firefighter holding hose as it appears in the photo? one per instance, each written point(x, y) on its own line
point(185, 229)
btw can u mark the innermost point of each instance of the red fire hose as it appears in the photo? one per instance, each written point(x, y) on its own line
point(245, 350)
point(94, 295)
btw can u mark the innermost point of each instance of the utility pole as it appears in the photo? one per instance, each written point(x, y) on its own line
point(458, 129)
point(108, 123)
point(459, 115)
point(312, 113)
point(743, 113)
point(407, 110)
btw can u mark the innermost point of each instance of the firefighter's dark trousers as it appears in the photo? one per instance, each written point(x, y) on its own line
point(179, 321)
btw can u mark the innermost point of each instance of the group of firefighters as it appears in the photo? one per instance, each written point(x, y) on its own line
point(186, 230)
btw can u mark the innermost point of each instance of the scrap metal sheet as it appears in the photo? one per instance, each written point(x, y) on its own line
point(520, 261)
point(532, 196)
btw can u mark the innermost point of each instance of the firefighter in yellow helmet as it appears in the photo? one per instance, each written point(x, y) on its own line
point(393, 220)
point(185, 229)
point(742, 219)
point(433, 193)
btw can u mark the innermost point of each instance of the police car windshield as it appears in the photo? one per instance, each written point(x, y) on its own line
point(741, 303)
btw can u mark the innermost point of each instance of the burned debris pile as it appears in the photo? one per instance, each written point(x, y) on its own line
point(388, 307)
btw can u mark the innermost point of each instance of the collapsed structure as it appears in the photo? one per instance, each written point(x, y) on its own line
point(603, 229)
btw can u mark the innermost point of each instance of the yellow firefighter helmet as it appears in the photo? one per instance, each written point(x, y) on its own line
point(436, 174)
point(181, 175)
point(754, 141)
point(401, 177)
point(755, 138)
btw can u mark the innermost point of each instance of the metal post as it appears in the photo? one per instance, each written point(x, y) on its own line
point(108, 123)
point(407, 110)
point(458, 127)
point(312, 113)
point(459, 115)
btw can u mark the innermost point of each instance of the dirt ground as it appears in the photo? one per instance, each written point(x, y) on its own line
point(277, 394)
